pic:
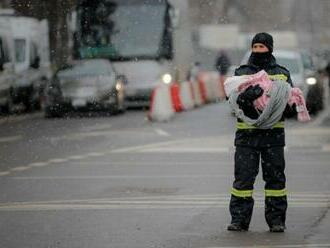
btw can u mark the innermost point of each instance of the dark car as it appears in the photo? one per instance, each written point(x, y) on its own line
point(86, 84)
point(315, 87)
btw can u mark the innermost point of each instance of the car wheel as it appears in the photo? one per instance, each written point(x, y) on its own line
point(119, 106)
point(9, 107)
point(53, 111)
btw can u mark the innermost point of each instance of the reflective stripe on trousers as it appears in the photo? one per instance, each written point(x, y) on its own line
point(241, 193)
point(275, 192)
point(268, 192)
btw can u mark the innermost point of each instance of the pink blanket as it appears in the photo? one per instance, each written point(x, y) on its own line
point(261, 78)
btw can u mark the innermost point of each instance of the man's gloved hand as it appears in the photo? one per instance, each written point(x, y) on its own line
point(246, 98)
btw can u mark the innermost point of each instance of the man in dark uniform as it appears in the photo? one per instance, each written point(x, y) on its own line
point(253, 144)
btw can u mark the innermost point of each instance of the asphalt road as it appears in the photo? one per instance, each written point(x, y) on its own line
point(124, 182)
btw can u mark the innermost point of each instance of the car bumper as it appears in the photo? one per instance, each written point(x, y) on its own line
point(138, 98)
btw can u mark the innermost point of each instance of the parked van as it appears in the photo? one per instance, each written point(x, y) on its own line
point(6, 70)
point(29, 45)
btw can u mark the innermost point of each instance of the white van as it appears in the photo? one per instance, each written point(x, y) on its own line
point(6, 70)
point(29, 46)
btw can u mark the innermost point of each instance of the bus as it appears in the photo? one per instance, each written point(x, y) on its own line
point(148, 41)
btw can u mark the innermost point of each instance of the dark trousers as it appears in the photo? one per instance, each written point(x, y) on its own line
point(246, 169)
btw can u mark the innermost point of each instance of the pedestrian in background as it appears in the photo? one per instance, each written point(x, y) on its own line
point(327, 71)
point(254, 145)
point(222, 64)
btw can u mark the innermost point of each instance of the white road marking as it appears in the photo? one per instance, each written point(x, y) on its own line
point(141, 147)
point(10, 138)
point(95, 154)
point(77, 157)
point(120, 177)
point(21, 168)
point(186, 150)
point(195, 146)
point(57, 160)
point(38, 164)
point(161, 132)
point(160, 202)
point(189, 197)
point(152, 163)
point(97, 127)
point(276, 246)
point(40, 207)
point(4, 173)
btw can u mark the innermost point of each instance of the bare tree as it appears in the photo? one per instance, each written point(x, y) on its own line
point(56, 11)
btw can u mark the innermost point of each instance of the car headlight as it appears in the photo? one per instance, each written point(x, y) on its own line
point(119, 86)
point(311, 81)
point(167, 78)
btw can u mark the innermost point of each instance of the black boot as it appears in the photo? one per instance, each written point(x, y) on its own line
point(277, 228)
point(237, 227)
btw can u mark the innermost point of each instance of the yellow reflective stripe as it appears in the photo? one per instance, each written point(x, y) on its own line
point(278, 77)
point(241, 193)
point(243, 125)
point(279, 124)
point(275, 192)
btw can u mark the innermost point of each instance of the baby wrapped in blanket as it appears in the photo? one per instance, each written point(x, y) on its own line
point(276, 95)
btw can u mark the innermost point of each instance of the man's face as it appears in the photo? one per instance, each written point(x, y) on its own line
point(259, 48)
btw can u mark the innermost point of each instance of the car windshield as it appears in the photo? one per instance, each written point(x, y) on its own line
point(83, 69)
point(128, 31)
point(291, 64)
point(307, 61)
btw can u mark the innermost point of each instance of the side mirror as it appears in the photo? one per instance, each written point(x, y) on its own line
point(36, 63)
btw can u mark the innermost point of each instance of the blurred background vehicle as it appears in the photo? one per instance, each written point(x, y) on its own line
point(85, 84)
point(6, 70)
point(142, 50)
point(30, 65)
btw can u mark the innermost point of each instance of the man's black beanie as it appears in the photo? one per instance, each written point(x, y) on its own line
point(263, 38)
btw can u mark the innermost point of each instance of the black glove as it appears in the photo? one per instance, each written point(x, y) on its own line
point(290, 111)
point(246, 98)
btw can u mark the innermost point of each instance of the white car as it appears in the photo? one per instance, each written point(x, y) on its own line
point(85, 84)
point(294, 63)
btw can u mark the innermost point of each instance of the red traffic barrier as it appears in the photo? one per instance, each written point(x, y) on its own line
point(161, 107)
point(202, 89)
point(176, 99)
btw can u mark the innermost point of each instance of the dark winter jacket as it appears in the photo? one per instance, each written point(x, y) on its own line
point(250, 136)
point(222, 64)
